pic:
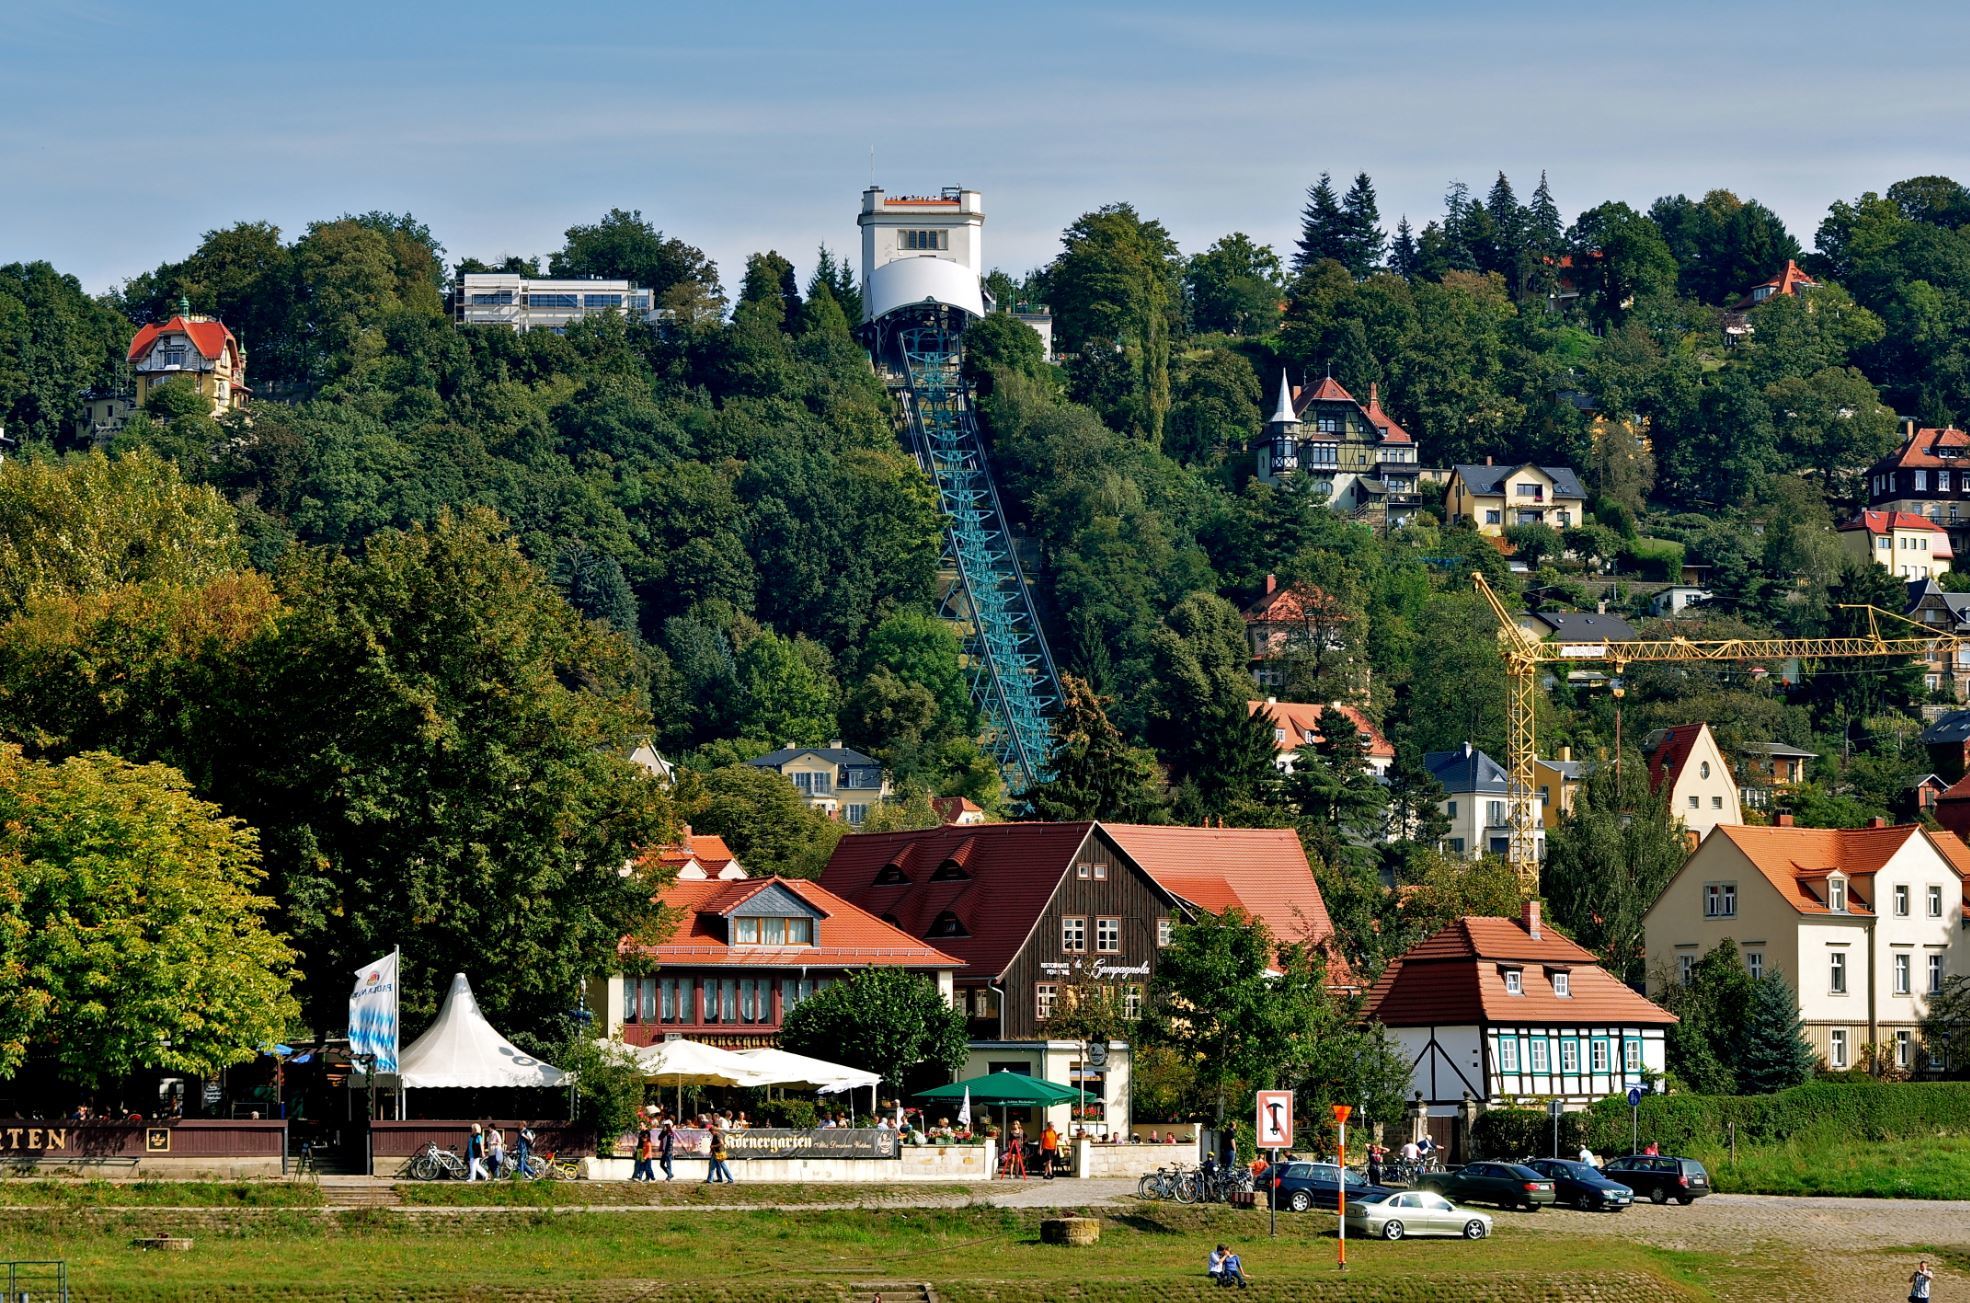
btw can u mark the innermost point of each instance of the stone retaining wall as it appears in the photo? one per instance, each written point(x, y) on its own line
point(917, 1163)
point(1091, 1160)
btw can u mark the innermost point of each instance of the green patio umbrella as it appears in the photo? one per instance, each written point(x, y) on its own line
point(1013, 1089)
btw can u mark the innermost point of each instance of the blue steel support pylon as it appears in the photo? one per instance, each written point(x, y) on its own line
point(1013, 682)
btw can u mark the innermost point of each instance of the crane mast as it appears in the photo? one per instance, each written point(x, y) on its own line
point(1526, 655)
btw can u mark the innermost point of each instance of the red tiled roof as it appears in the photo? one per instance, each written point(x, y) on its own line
point(1381, 420)
point(208, 337)
point(1880, 522)
point(1294, 602)
point(848, 936)
point(710, 852)
point(950, 808)
point(1919, 449)
point(1789, 281)
point(1263, 871)
point(1454, 978)
point(1011, 871)
point(1789, 857)
point(1672, 754)
point(1327, 391)
point(1299, 718)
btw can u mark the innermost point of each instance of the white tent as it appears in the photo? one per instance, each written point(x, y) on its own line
point(460, 1048)
point(784, 1069)
point(693, 1063)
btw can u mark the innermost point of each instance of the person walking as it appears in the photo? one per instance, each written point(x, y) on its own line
point(642, 1170)
point(525, 1153)
point(666, 1146)
point(718, 1171)
point(1919, 1282)
point(475, 1155)
point(1049, 1150)
point(1374, 1164)
point(496, 1151)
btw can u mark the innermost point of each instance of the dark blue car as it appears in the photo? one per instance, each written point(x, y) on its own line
point(1303, 1186)
point(1582, 1185)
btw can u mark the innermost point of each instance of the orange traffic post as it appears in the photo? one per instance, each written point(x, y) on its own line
point(1341, 1112)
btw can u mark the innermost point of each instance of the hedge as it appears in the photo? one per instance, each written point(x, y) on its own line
point(1656, 558)
point(1852, 1110)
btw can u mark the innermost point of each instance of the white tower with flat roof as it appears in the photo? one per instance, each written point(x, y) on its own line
point(922, 249)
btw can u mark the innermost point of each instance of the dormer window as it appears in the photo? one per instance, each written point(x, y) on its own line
point(1563, 985)
point(772, 931)
point(1836, 895)
point(1514, 981)
point(950, 871)
point(891, 876)
point(948, 924)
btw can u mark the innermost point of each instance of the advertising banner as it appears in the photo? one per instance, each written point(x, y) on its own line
point(778, 1142)
point(373, 1013)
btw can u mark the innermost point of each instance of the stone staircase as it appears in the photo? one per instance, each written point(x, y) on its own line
point(889, 1291)
point(359, 1192)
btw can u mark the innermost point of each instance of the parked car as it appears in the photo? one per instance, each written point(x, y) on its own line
point(1660, 1177)
point(1302, 1186)
point(1402, 1213)
point(1582, 1184)
point(1508, 1185)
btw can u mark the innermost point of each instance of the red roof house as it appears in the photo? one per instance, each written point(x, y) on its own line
point(1297, 723)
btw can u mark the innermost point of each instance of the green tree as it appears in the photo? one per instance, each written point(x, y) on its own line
point(1619, 258)
point(132, 930)
point(770, 281)
point(1705, 1045)
point(1001, 341)
point(1227, 998)
point(624, 246)
point(1775, 1054)
point(1094, 772)
point(836, 278)
point(1218, 750)
point(1234, 287)
point(1361, 235)
point(608, 1082)
point(55, 343)
point(762, 817)
point(787, 690)
point(1323, 229)
point(1946, 1026)
point(883, 1020)
point(1608, 860)
point(1115, 286)
point(1533, 543)
point(1217, 407)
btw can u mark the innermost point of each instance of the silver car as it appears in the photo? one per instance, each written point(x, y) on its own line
point(1415, 1212)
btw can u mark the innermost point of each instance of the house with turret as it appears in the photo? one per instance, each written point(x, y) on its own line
point(1356, 457)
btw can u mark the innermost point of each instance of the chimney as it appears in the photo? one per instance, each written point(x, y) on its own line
point(1782, 820)
point(1566, 754)
point(1908, 427)
point(1600, 607)
point(1487, 459)
point(834, 744)
point(1271, 585)
point(1532, 919)
point(1877, 822)
point(1272, 701)
point(684, 833)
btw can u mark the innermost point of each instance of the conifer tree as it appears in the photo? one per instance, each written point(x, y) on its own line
point(1405, 259)
point(1361, 228)
point(1774, 1054)
point(1323, 226)
point(1545, 239)
point(1506, 254)
point(1096, 773)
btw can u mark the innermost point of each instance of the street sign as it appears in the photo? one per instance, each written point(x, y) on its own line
point(1554, 1108)
point(1275, 1124)
point(1097, 1054)
point(1634, 1097)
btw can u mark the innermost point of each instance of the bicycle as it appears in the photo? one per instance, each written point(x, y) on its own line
point(557, 1168)
point(1160, 1184)
point(436, 1164)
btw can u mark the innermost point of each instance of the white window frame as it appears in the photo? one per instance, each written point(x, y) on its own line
point(1597, 1056)
point(1508, 1054)
point(1719, 898)
point(1901, 898)
point(1934, 968)
point(1935, 902)
point(1754, 963)
point(1836, 1047)
point(1541, 1060)
point(1563, 985)
point(1044, 995)
point(1631, 1054)
point(1685, 968)
point(1902, 1045)
point(1163, 929)
point(1836, 972)
point(1904, 972)
point(1108, 935)
point(1570, 1057)
point(1074, 934)
point(1514, 981)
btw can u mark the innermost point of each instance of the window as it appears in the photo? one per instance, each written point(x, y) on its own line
point(923, 241)
point(1540, 1062)
point(1563, 985)
point(1882, 544)
point(1452, 812)
point(1598, 1056)
point(1695, 802)
point(1901, 902)
point(814, 784)
point(1836, 1042)
point(1935, 974)
point(1631, 1056)
point(1508, 1054)
point(1902, 1038)
point(1494, 814)
point(1514, 982)
point(795, 989)
point(1493, 518)
point(745, 931)
point(1704, 769)
point(1527, 490)
point(501, 299)
point(1836, 975)
point(1836, 895)
point(1564, 519)
point(1108, 935)
point(855, 814)
point(1684, 963)
point(1901, 974)
point(1720, 900)
point(1935, 902)
point(1323, 454)
point(1100, 871)
point(601, 300)
point(1162, 932)
point(1921, 481)
point(948, 924)
point(1754, 963)
point(891, 875)
point(1569, 1056)
point(1084, 871)
point(1716, 802)
point(1074, 934)
point(539, 300)
point(948, 871)
point(1043, 998)
point(1132, 1001)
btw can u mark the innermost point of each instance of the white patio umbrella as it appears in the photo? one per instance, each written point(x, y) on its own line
point(781, 1068)
point(682, 1063)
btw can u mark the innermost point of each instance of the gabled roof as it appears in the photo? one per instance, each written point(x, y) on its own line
point(1929, 446)
point(208, 337)
point(1778, 751)
point(1789, 281)
point(1263, 871)
point(710, 854)
point(1327, 391)
point(1300, 718)
point(1669, 753)
point(1454, 978)
point(1880, 522)
point(1790, 858)
point(1586, 626)
point(839, 755)
point(1381, 420)
point(1486, 479)
point(1293, 602)
point(1466, 770)
point(848, 935)
point(1950, 727)
point(950, 809)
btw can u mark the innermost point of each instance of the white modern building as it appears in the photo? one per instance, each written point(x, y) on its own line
point(1477, 803)
point(922, 248)
point(501, 298)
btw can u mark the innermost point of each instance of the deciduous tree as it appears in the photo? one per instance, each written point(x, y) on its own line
point(883, 1020)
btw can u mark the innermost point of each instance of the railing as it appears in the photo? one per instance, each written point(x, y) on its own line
point(1011, 671)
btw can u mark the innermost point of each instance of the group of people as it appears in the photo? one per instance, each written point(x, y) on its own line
point(1045, 1154)
point(656, 1143)
point(486, 1155)
point(1226, 1268)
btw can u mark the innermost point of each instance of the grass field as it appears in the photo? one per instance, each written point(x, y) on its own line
point(972, 1255)
point(1937, 1168)
point(158, 1194)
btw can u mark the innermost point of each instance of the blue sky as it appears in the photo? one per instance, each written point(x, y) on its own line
point(133, 128)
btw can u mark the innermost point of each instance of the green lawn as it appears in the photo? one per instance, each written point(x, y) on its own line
point(1935, 1168)
point(42, 1193)
point(972, 1255)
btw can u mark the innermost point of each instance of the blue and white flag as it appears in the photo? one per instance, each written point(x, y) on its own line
point(373, 1013)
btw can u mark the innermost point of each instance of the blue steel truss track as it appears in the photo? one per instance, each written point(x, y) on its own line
point(1013, 682)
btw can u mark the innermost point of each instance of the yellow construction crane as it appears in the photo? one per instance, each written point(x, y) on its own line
point(1525, 654)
